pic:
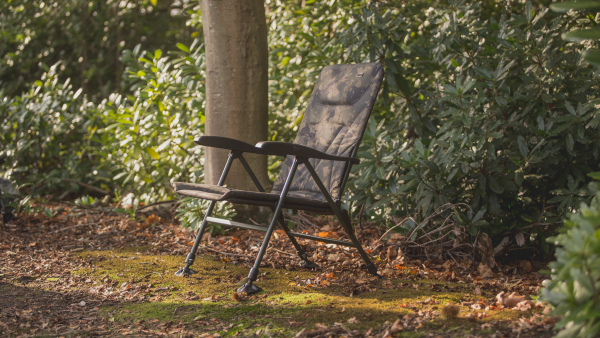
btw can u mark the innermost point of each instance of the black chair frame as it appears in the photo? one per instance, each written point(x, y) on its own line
point(301, 155)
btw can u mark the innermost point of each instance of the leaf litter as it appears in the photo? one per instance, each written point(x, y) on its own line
point(40, 257)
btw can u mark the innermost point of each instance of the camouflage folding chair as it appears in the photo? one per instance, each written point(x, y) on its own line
point(316, 167)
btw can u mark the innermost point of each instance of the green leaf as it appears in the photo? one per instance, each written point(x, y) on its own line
point(152, 153)
point(523, 146)
point(157, 54)
point(563, 7)
point(376, 41)
point(153, 2)
point(595, 175)
point(583, 34)
point(570, 108)
point(519, 176)
point(183, 47)
point(592, 56)
point(494, 185)
point(494, 204)
point(479, 214)
point(570, 142)
point(452, 174)
point(420, 147)
point(391, 80)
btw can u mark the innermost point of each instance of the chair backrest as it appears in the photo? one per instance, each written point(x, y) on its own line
point(334, 123)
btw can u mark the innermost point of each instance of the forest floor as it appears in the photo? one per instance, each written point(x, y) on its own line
point(85, 272)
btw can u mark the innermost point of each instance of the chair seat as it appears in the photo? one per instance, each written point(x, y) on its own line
point(218, 193)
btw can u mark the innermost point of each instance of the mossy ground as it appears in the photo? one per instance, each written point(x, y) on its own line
point(283, 305)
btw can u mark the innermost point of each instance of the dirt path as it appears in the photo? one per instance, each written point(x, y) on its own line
point(93, 274)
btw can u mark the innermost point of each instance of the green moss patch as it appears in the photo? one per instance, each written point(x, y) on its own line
point(205, 299)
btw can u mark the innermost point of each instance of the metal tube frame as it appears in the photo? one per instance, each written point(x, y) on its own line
point(342, 215)
point(301, 252)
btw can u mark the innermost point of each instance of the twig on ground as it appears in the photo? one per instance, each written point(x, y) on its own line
point(281, 251)
point(75, 226)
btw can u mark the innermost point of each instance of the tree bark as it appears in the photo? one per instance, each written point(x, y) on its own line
point(235, 34)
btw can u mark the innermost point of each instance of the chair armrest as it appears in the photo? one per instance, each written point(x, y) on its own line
point(228, 143)
point(284, 149)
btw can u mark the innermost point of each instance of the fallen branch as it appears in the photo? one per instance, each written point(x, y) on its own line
point(87, 186)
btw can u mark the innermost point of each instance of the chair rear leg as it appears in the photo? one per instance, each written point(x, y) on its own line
point(347, 225)
point(192, 255)
point(306, 263)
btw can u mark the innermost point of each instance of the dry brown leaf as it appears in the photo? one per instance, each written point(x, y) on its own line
point(486, 250)
point(352, 320)
point(509, 301)
point(523, 306)
point(239, 297)
point(396, 327)
point(391, 253)
point(213, 298)
point(485, 271)
point(461, 236)
point(448, 264)
point(333, 257)
point(477, 291)
point(395, 238)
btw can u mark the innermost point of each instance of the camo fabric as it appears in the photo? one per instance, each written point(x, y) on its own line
point(334, 123)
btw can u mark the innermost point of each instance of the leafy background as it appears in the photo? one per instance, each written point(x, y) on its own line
point(483, 104)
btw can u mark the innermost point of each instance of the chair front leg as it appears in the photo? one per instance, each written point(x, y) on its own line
point(301, 252)
point(249, 287)
point(192, 255)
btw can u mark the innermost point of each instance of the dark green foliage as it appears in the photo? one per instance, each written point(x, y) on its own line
point(46, 133)
point(493, 114)
point(592, 56)
point(148, 139)
point(87, 37)
point(483, 104)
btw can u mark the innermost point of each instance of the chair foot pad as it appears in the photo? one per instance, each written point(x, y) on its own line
point(373, 270)
point(249, 288)
point(184, 272)
point(309, 265)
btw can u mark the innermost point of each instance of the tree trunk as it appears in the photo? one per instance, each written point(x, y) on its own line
point(235, 34)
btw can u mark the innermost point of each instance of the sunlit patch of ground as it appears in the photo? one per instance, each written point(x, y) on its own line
point(155, 298)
